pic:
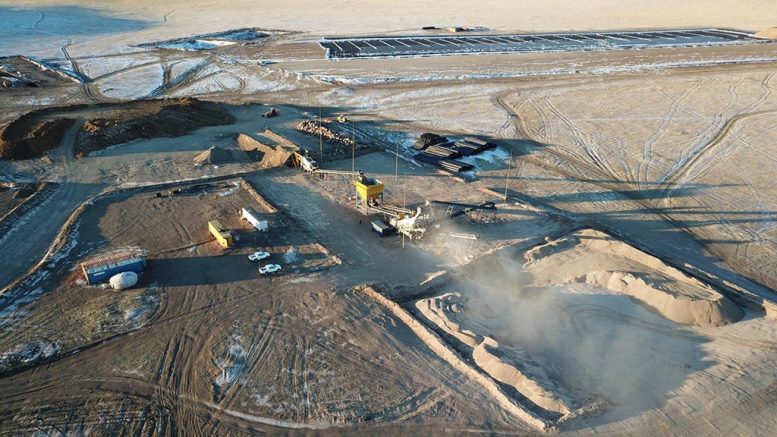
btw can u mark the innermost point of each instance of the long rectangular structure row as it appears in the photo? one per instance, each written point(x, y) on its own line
point(384, 46)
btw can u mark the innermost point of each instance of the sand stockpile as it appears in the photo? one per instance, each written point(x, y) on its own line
point(601, 260)
point(268, 156)
point(677, 308)
point(768, 33)
point(514, 368)
point(486, 357)
point(218, 156)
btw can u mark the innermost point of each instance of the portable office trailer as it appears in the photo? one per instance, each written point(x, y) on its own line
point(250, 215)
point(221, 233)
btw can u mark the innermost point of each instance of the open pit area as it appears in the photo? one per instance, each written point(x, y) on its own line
point(351, 218)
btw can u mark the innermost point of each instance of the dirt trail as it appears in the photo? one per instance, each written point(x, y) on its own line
point(29, 239)
point(697, 159)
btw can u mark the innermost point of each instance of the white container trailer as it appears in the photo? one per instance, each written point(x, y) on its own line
point(253, 217)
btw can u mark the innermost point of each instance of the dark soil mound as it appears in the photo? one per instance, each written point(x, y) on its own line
point(150, 119)
point(112, 123)
point(30, 135)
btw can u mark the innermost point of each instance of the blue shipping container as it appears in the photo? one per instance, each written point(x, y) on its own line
point(97, 273)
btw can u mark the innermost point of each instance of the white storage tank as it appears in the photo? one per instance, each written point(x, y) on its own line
point(123, 280)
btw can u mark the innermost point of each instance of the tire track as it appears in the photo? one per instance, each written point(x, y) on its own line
point(255, 356)
point(647, 147)
point(686, 165)
point(87, 84)
point(38, 21)
point(579, 140)
point(76, 67)
point(182, 80)
point(198, 412)
point(697, 158)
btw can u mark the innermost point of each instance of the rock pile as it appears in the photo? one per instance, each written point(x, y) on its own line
point(342, 143)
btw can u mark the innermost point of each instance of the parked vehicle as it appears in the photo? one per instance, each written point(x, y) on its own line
point(382, 229)
point(270, 268)
point(258, 256)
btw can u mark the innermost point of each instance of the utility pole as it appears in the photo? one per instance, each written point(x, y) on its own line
point(353, 151)
point(320, 139)
point(396, 168)
point(404, 206)
point(507, 176)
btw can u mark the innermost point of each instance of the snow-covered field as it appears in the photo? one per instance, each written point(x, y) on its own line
point(96, 26)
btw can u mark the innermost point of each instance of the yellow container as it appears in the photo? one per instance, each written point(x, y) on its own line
point(368, 192)
point(221, 233)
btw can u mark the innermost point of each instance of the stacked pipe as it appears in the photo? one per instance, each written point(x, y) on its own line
point(485, 145)
point(455, 166)
point(429, 139)
point(443, 152)
point(451, 165)
point(466, 149)
point(472, 146)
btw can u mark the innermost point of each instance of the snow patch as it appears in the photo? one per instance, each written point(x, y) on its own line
point(608, 70)
point(146, 304)
point(196, 45)
point(29, 352)
point(12, 311)
point(290, 256)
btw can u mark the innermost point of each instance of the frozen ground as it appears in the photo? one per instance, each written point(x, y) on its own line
point(48, 25)
point(668, 154)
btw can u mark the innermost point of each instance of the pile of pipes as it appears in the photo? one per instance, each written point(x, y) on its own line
point(429, 139)
point(472, 146)
point(441, 153)
point(451, 165)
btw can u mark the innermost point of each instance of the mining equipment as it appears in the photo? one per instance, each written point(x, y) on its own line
point(369, 192)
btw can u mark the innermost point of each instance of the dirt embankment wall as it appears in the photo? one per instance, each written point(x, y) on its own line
point(32, 134)
point(150, 119)
point(438, 346)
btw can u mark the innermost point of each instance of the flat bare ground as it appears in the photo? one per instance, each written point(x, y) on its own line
point(623, 285)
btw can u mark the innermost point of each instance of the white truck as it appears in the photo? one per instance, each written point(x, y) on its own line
point(308, 164)
point(305, 162)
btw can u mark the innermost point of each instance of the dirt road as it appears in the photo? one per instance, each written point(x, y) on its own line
point(29, 239)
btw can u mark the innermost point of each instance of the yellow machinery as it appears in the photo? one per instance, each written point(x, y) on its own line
point(370, 191)
point(222, 234)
